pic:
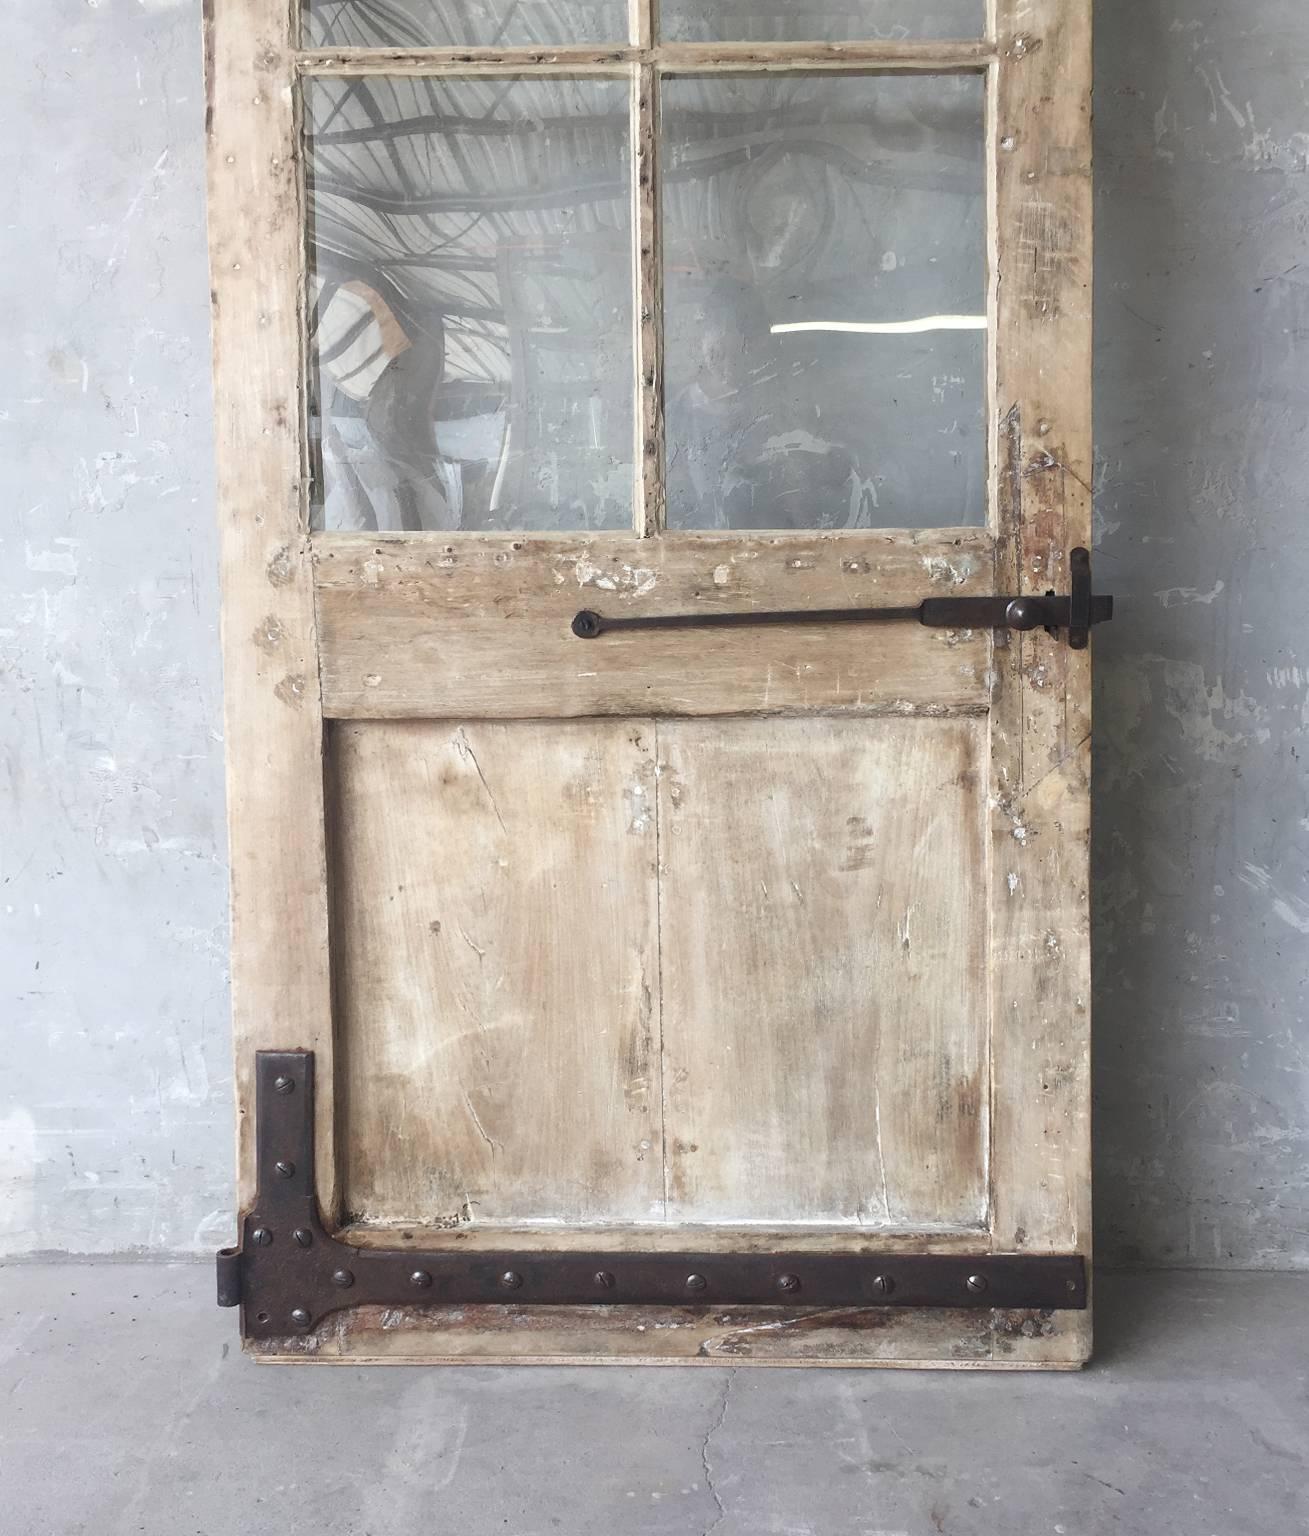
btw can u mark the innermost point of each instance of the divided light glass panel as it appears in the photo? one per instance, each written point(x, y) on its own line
point(825, 301)
point(471, 303)
point(461, 23)
point(819, 21)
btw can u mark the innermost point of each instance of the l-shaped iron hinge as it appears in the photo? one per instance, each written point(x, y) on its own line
point(289, 1271)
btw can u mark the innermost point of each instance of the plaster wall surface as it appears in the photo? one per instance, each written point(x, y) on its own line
point(1202, 832)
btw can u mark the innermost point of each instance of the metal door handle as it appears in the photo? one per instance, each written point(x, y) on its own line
point(1075, 613)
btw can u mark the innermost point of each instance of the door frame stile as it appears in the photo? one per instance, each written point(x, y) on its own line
point(281, 989)
point(1040, 1157)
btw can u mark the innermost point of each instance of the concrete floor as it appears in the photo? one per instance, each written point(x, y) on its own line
point(129, 1408)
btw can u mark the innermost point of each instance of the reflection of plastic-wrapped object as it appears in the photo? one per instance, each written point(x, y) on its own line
point(368, 491)
point(745, 448)
point(798, 481)
point(381, 465)
point(758, 476)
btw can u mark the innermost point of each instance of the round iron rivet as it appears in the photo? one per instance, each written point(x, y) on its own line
point(604, 1279)
point(303, 1236)
point(586, 625)
point(283, 1084)
point(300, 1317)
point(1021, 614)
point(977, 1282)
point(262, 1236)
point(883, 1284)
point(788, 1282)
point(511, 1280)
point(421, 1279)
point(284, 1170)
point(696, 1282)
point(343, 1278)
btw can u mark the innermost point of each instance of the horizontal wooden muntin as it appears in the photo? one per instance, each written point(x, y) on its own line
point(904, 57)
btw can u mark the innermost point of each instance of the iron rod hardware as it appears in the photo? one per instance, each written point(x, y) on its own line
point(289, 1272)
point(1075, 613)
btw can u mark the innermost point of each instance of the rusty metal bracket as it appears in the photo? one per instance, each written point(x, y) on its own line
point(289, 1272)
point(1075, 613)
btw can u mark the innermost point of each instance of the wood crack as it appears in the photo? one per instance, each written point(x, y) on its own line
point(464, 747)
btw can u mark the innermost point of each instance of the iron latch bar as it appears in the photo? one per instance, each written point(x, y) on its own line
point(1076, 613)
point(289, 1272)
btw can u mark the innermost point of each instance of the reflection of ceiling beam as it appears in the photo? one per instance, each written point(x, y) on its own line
point(855, 12)
point(395, 24)
point(468, 263)
point(964, 128)
point(569, 195)
point(895, 174)
point(447, 124)
point(463, 315)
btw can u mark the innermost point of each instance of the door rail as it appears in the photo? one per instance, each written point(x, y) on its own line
point(1076, 613)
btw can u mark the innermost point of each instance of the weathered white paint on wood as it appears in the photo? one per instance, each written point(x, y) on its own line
point(479, 625)
point(667, 1237)
point(1040, 951)
point(833, 1336)
point(892, 56)
point(503, 987)
point(496, 971)
point(648, 1335)
point(822, 923)
point(280, 985)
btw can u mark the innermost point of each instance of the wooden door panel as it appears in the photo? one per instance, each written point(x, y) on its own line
point(523, 896)
point(508, 957)
point(822, 935)
point(494, 943)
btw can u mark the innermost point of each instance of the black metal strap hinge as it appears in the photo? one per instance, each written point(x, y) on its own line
point(1074, 613)
point(289, 1272)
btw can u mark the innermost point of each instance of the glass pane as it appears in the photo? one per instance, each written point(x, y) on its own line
point(818, 21)
point(825, 279)
point(462, 23)
point(471, 303)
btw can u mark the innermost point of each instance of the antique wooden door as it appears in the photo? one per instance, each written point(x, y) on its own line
point(657, 991)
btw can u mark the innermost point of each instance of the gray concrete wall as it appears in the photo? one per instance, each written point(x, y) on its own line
point(115, 1120)
point(1202, 900)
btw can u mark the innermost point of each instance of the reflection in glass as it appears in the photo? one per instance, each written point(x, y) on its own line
point(818, 21)
point(462, 23)
point(825, 276)
point(471, 314)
